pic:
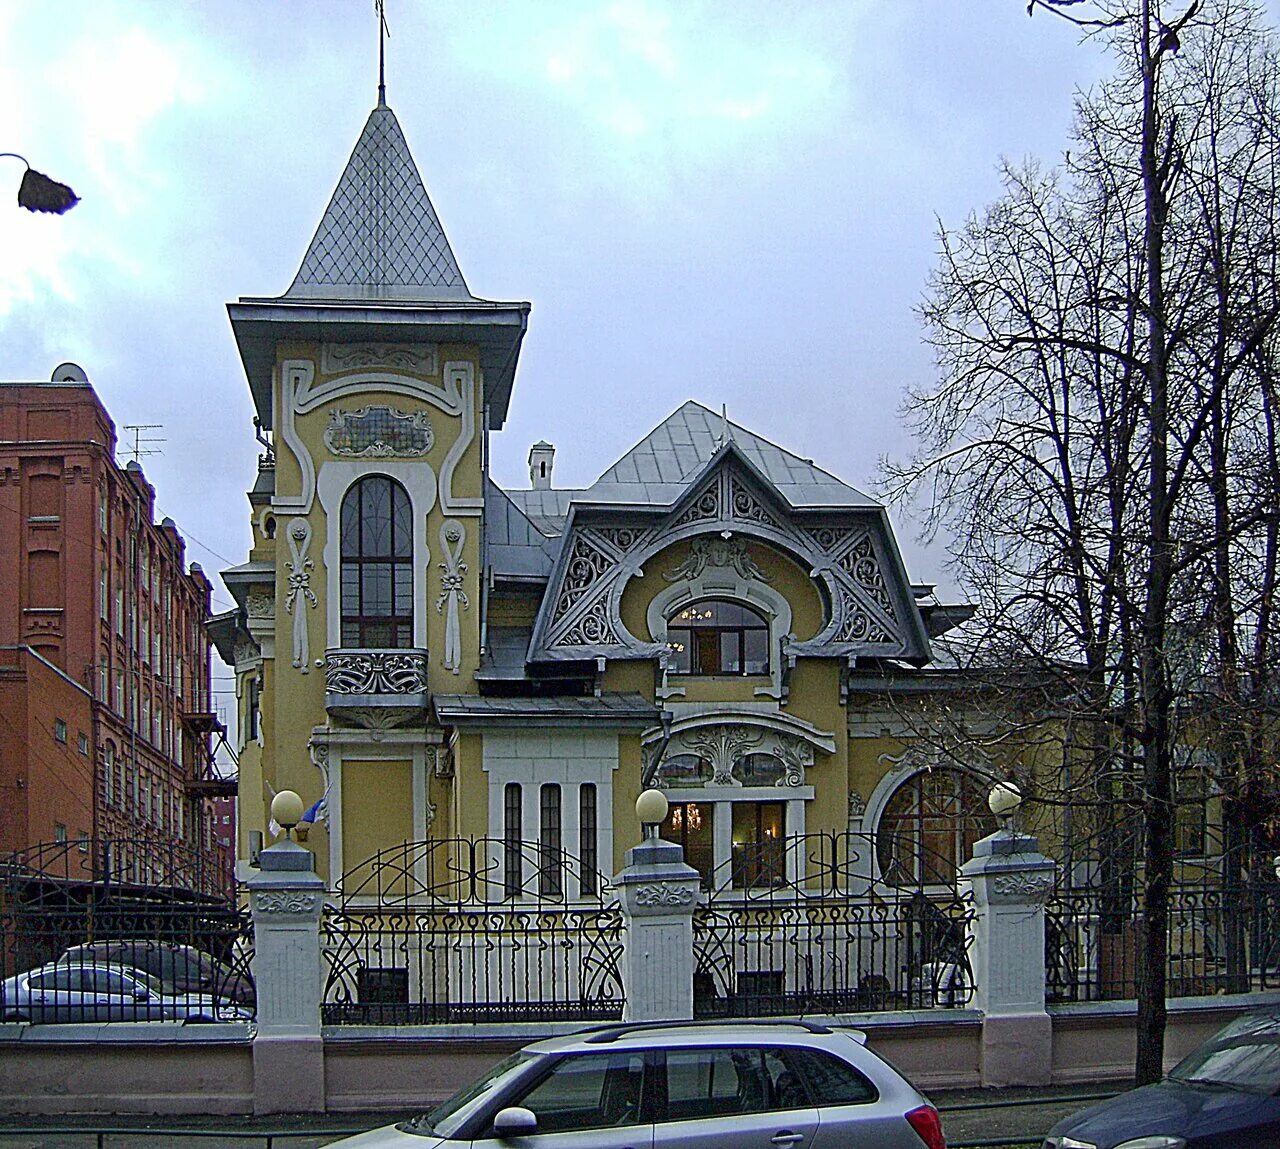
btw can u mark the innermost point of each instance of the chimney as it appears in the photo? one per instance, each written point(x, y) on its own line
point(541, 459)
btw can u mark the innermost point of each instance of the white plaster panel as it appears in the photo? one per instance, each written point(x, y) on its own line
point(419, 480)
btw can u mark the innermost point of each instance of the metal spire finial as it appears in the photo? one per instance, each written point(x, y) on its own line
point(380, 7)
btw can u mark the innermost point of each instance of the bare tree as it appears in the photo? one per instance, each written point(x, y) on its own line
point(1099, 438)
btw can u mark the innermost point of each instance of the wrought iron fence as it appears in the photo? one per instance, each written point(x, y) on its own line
point(471, 930)
point(815, 931)
point(1223, 938)
point(121, 930)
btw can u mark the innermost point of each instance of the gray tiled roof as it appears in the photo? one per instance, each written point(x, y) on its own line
point(658, 469)
point(546, 508)
point(516, 547)
point(380, 238)
point(615, 707)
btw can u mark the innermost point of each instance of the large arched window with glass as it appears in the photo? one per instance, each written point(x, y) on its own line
point(713, 637)
point(929, 827)
point(377, 564)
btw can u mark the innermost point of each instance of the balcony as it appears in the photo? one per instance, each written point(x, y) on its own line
point(376, 687)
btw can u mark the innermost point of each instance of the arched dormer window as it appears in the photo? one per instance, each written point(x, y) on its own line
point(377, 564)
point(711, 637)
point(930, 825)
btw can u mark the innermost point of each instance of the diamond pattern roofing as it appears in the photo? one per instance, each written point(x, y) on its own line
point(658, 469)
point(380, 238)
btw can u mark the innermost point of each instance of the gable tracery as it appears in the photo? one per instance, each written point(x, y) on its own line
point(581, 614)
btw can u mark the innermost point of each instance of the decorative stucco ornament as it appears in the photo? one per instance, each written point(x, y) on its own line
point(379, 432)
point(722, 746)
point(261, 603)
point(384, 672)
point(665, 896)
point(717, 552)
point(300, 590)
point(271, 902)
point(452, 595)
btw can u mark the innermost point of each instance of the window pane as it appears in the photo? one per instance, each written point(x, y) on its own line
point(587, 838)
point(401, 523)
point(351, 522)
point(715, 1083)
point(690, 825)
point(593, 1092)
point(375, 517)
point(512, 868)
point(550, 871)
point(756, 657)
point(829, 1080)
point(404, 590)
point(706, 652)
point(375, 588)
point(680, 643)
point(759, 844)
point(730, 652)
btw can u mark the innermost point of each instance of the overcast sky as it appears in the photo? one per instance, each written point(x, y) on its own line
point(734, 202)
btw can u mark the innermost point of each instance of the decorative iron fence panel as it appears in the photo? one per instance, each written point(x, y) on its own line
point(814, 932)
point(1220, 940)
point(471, 930)
point(121, 930)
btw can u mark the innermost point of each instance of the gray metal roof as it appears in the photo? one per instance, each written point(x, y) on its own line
point(546, 508)
point(516, 547)
point(658, 469)
point(380, 238)
point(611, 708)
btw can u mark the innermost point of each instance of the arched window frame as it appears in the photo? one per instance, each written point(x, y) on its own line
point(699, 631)
point(934, 852)
point(723, 584)
point(360, 626)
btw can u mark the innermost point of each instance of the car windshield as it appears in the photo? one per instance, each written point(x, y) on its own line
point(446, 1118)
point(1244, 1055)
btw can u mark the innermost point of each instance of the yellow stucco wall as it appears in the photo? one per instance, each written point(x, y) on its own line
point(377, 807)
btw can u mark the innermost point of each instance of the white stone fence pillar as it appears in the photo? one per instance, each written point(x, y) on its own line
point(659, 893)
point(1010, 881)
point(287, 898)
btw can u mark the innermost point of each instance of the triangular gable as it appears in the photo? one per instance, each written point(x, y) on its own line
point(851, 553)
point(380, 238)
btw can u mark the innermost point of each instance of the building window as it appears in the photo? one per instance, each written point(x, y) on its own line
point(930, 825)
point(59, 832)
point(690, 824)
point(759, 844)
point(104, 603)
point(120, 611)
point(109, 774)
point(512, 829)
point(120, 694)
point(82, 841)
point(102, 512)
point(551, 861)
point(588, 834)
point(377, 565)
point(712, 637)
point(59, 730)
point(82, 743)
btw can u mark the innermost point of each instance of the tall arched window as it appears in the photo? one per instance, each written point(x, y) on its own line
point(929, 827)
point(712, 637)
point(377, 564)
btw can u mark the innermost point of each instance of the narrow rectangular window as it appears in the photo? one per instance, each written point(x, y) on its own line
point(59, 832)
point(59, 729)
point(512, 876)
point(587, 844)
point(104, 605)
point(551, 864)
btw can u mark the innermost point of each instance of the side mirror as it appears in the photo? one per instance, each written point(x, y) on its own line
point(515, 1121)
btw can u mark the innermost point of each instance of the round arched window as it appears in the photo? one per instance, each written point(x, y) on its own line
point(377, 564)
point(714, 637)
point(929, 827)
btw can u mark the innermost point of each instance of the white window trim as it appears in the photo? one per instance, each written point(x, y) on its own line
point(725, 584)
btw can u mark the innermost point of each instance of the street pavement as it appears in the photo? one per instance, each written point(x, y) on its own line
point(968, 1115)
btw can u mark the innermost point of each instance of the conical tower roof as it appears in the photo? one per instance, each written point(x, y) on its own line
point(380, 238)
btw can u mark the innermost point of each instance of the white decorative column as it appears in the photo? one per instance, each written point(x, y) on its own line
point(287, 896)
point(1010, 880)
point(659, 893)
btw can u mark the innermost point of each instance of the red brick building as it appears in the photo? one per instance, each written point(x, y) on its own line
point(101, 597)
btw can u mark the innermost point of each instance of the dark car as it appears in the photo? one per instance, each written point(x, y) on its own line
point(1223, 1095)
point(181, 968)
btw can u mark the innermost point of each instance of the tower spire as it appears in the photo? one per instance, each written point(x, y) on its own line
point(380, 7)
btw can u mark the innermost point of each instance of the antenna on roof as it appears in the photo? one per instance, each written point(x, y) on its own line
point(142, 443)
point(380, 7)
point(726, 431)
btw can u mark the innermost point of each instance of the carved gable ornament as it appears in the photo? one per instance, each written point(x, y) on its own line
point(870, 612)
point(378, 432)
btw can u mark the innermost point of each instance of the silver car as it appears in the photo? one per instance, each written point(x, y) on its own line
point(749, 1085)
point(69, 993)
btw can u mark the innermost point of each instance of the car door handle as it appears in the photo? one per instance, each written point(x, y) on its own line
point(786, 1137)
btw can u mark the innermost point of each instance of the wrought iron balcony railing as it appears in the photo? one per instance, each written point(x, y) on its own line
point(394, 681)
